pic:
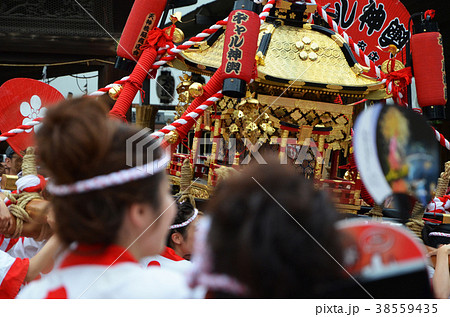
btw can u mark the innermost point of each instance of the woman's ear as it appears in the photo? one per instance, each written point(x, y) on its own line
point(177, 238)
point(8, 162)
point(140, 215)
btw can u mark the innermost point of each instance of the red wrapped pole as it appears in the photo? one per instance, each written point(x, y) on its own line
point(245, 25)
point(139, 43)
point(157, 38)
point(133, 84)
point(212, 86)
point(238, 56)
point(239, 49)
point(429, 67)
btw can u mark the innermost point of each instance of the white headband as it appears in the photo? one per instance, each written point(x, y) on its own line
point(184, 224)
point(112, 179)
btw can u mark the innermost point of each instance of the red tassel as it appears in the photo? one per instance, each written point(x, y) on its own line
point(400, 80)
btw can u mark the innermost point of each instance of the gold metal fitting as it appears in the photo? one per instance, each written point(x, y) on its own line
point(312, 56)
point(178, 35)
point(304, 55)
point(234, 128)
point(238, 114)
point(9, 182)
point(338, 39)
point(196, 90)
point(299, 45)
point(176, 17)
point(171, 137)
point(260, 59)
point(251, 126)
point(114, 91)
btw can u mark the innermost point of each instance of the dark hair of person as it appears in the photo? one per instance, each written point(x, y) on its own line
point(78, 141)
point(185, 211)
point(9, 152)
point(270, 244)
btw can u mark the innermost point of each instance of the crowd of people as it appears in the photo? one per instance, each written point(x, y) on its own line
point(119, 233)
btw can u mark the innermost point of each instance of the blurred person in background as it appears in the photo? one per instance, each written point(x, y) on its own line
point(180, 241)
point(441, 277)
point(13, 162)
point(271, 235)
point(2, 165)
point(22, 260)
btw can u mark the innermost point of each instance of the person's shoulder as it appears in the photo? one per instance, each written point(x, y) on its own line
point(123, 281)
point(36, 289)
point(183, 267)
point(161, 283)
point(46, 284)
point(148, 259)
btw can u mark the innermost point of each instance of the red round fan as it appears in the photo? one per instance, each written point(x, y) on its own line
point(387, 260)
point(375, 250)
point(21, 101)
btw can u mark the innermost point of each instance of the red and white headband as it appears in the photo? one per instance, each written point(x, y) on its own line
point(111, 179)
point(187, 222)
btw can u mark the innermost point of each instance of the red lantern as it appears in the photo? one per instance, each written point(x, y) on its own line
point(429, 68)
point(239, 50)
point(144, 16)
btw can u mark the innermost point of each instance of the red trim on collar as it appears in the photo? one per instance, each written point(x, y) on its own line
point(97, 255)
point(12, 242)
point(59, 293)
point(170, 254)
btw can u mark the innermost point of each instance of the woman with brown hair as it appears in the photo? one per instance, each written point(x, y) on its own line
point(110, 208)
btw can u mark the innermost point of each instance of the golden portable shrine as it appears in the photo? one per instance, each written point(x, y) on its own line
point(285, 79)
point(302, 105)
point(289, 80)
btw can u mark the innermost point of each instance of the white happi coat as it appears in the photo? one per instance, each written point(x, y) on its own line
point(12, 274)
point(21, 247)
point(84, 272)
point(14, 263)
point(168, 260)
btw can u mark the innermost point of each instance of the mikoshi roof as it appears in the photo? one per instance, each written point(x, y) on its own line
point(299, 57)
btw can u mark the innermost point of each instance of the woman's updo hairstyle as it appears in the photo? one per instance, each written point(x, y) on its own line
point(78, 141)
point(266, 226)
